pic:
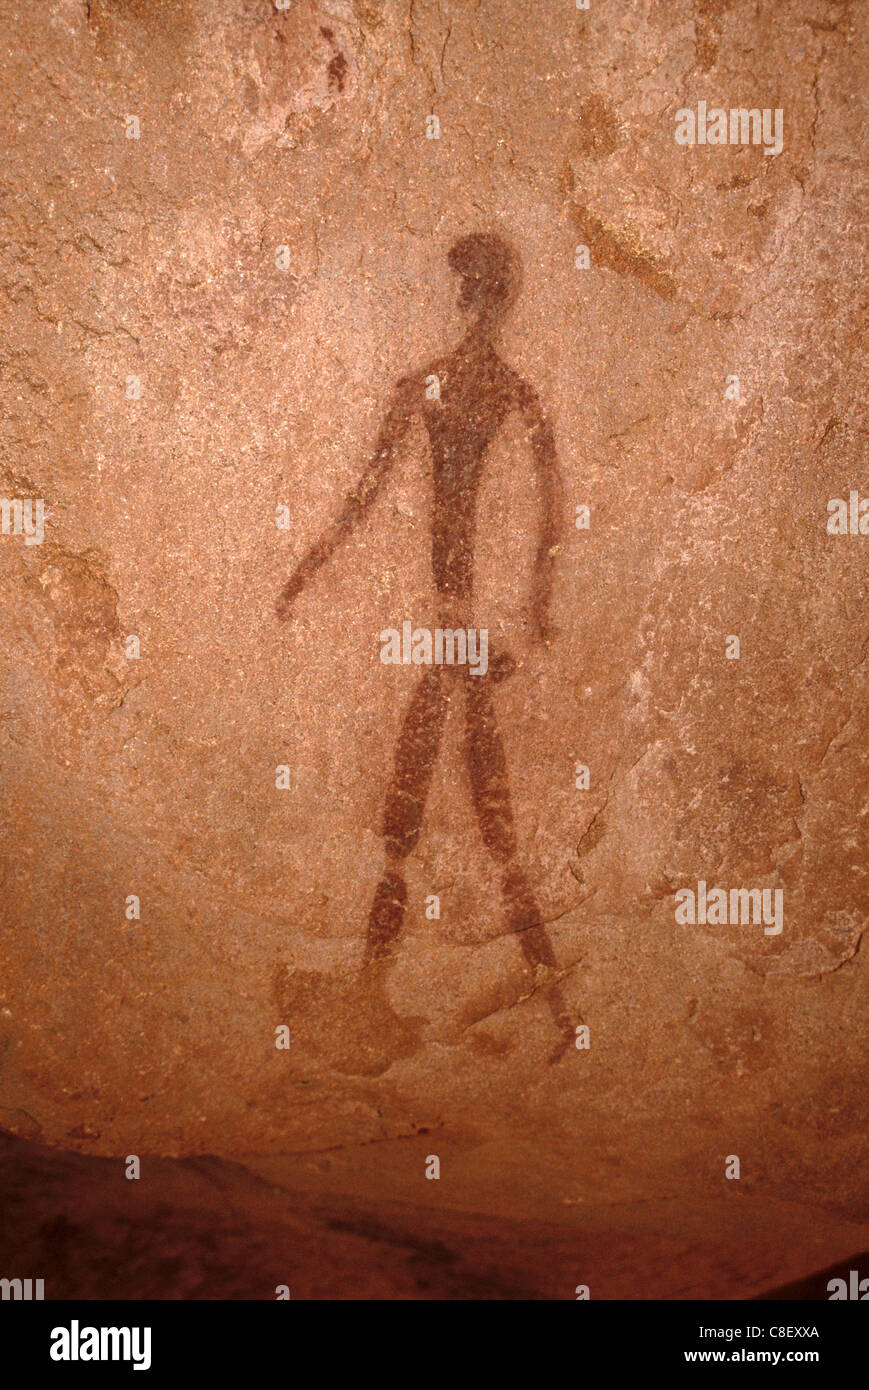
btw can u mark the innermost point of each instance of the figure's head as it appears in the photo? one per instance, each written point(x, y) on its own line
point(490, 271)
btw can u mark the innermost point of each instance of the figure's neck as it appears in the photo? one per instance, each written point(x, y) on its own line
point(478, 339)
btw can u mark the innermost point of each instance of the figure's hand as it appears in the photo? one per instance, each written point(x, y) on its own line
point(288, 596)
point(560, 1049)
point(501, 667)
point(542, 630)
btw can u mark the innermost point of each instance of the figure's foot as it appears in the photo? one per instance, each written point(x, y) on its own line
point(502, 996)
point(501, 667)
point(346, 1024)
point(563, 1022)
point(568, 1038)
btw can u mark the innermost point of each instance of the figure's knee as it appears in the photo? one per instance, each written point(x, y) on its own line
point(498, 836)
point(387, 914)
point(523, 914)
point(521, 903)
point(402, 824)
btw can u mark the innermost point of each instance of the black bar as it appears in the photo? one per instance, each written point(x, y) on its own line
point(258, 1339)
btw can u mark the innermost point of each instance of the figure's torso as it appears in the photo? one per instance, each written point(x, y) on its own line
point(477, 393)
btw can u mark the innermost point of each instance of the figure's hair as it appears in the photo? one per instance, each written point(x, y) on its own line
point(488, 259)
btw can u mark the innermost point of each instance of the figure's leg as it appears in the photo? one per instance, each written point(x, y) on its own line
point(490, 789)
point(415, 755)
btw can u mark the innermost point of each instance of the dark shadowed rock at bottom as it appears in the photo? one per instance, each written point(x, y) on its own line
point(206, 1228)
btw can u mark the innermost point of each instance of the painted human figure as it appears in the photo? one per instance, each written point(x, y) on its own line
point(477, 392)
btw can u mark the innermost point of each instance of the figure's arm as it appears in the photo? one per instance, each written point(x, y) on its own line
point(358, 502)
point(546, 462)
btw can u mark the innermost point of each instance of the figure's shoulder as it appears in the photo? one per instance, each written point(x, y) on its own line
point(407, 394)
point(410, 381)
point(416, 390)
point(410, 390)
point(522, 394)
point(438, 366)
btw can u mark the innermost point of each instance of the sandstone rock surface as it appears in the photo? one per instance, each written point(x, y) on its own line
point(226, 242)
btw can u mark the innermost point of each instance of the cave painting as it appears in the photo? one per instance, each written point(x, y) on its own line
point(476, 392)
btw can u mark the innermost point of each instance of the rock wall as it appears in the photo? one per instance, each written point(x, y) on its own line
point(226, 290)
